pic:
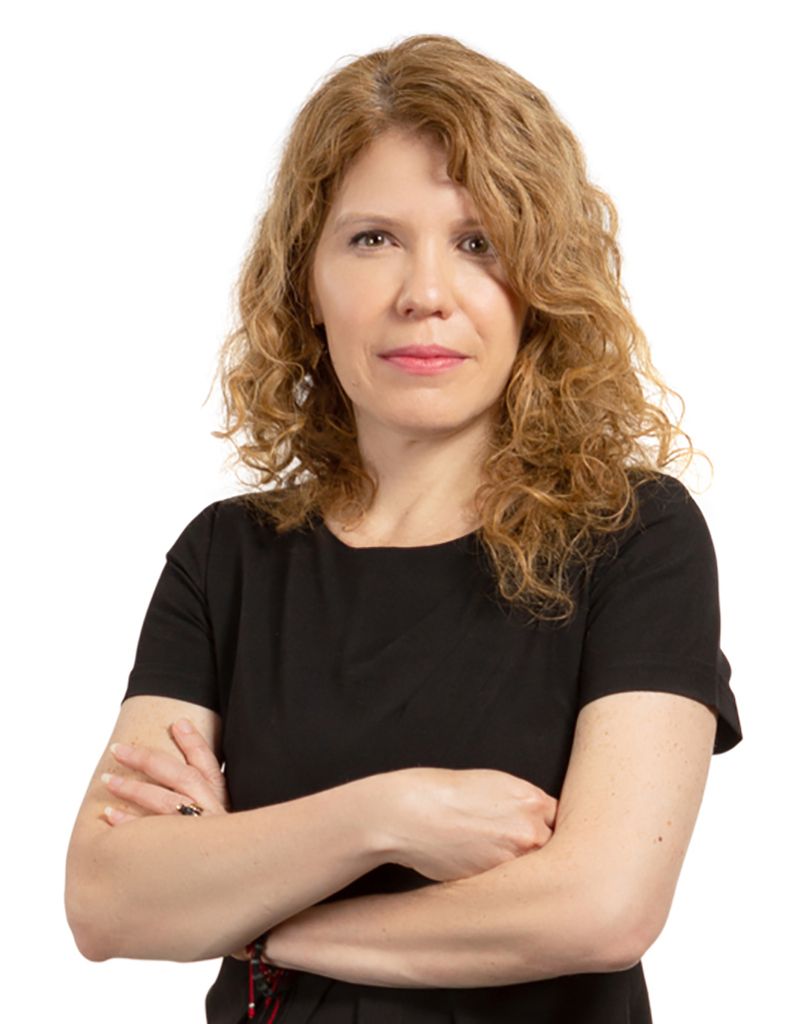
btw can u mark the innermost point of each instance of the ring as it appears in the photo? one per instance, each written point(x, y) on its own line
point(189, 809)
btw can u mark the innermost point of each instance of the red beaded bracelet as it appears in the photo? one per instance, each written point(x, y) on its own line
point(266, 980)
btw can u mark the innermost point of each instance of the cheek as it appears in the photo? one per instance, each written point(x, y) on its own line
point(497, 316)
point(351, 318)
point(352, 289)
point(353, 314)
point(350, 355)
point(488, 294)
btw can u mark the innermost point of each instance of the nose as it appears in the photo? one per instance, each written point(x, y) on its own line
point(427, 284)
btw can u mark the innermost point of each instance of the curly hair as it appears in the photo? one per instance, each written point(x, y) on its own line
point(575, 433)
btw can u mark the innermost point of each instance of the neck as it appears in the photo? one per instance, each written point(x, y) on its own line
point(425, 487)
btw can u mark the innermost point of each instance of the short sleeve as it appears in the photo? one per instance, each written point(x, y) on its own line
point(175, 655)
point(653, 620)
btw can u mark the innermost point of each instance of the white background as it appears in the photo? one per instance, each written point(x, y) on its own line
point(139, 139)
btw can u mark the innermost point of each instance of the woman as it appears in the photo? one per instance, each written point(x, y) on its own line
point(458, 648)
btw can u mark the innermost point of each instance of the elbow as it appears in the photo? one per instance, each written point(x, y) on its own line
point(111, 917)
point(87, 912)
point(623, 951)
point(89, 938)
point(628, 928)
point(88, 947)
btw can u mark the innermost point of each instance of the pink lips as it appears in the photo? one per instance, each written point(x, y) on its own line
point(423, 351)
point(423, 359)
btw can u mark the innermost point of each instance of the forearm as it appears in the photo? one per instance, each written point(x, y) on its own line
point(191, 888)
point(504, 926)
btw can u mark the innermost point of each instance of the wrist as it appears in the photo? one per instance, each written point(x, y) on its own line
point(380, 802)
point(258, 949)
point(268, 983)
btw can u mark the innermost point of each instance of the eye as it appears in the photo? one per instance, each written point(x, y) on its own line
point(486, 250)
point(366, 235)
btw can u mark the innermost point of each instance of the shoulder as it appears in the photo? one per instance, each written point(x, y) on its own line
point(666, 542)
point(239, 512)
point(241, 527)
point(221, 524)
point(254, 516)
point(225, 541)
point(664, 511)
point(657, 496)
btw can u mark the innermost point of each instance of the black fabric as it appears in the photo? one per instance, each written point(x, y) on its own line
point(328, 663)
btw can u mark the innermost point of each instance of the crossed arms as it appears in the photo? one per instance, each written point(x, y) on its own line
point(594, 898)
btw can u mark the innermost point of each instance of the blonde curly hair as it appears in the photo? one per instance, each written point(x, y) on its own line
point(576, 432)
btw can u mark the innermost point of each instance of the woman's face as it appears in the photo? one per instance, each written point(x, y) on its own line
point(402, 261)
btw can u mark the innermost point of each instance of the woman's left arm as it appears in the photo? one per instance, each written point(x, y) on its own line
point(593, 899)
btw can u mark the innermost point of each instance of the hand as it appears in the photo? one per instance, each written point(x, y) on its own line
point(451, 824)
point(198, 779)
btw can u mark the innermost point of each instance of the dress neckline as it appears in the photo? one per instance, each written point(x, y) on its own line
point(457, 542)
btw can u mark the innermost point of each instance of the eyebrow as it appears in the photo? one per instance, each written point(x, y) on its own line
point(359, 218)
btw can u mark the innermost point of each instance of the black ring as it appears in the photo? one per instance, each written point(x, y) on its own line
point(192, 809)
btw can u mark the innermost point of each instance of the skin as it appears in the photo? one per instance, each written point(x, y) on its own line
point(419, 275)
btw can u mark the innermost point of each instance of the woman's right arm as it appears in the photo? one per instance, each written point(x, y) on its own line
point(171, 887)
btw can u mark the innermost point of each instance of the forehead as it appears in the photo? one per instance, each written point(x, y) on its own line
point(395, 164)
point(405, 146)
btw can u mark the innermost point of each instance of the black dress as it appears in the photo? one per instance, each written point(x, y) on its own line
point(328, 663)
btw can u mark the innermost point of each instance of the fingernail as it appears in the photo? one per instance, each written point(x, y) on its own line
point(106, 777)
point(120, 749)
point(183, 725)
point(112, 814)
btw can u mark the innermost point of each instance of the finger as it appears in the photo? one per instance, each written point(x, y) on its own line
point(199, 754)
point(116, 817)
point(540, 803)
point(196, 748)
point(169, 771)
point(550, 811)
point(543, 835)
point(156, 799)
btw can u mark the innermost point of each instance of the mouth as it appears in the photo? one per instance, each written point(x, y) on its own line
point(424, 352)
point(426, 364)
